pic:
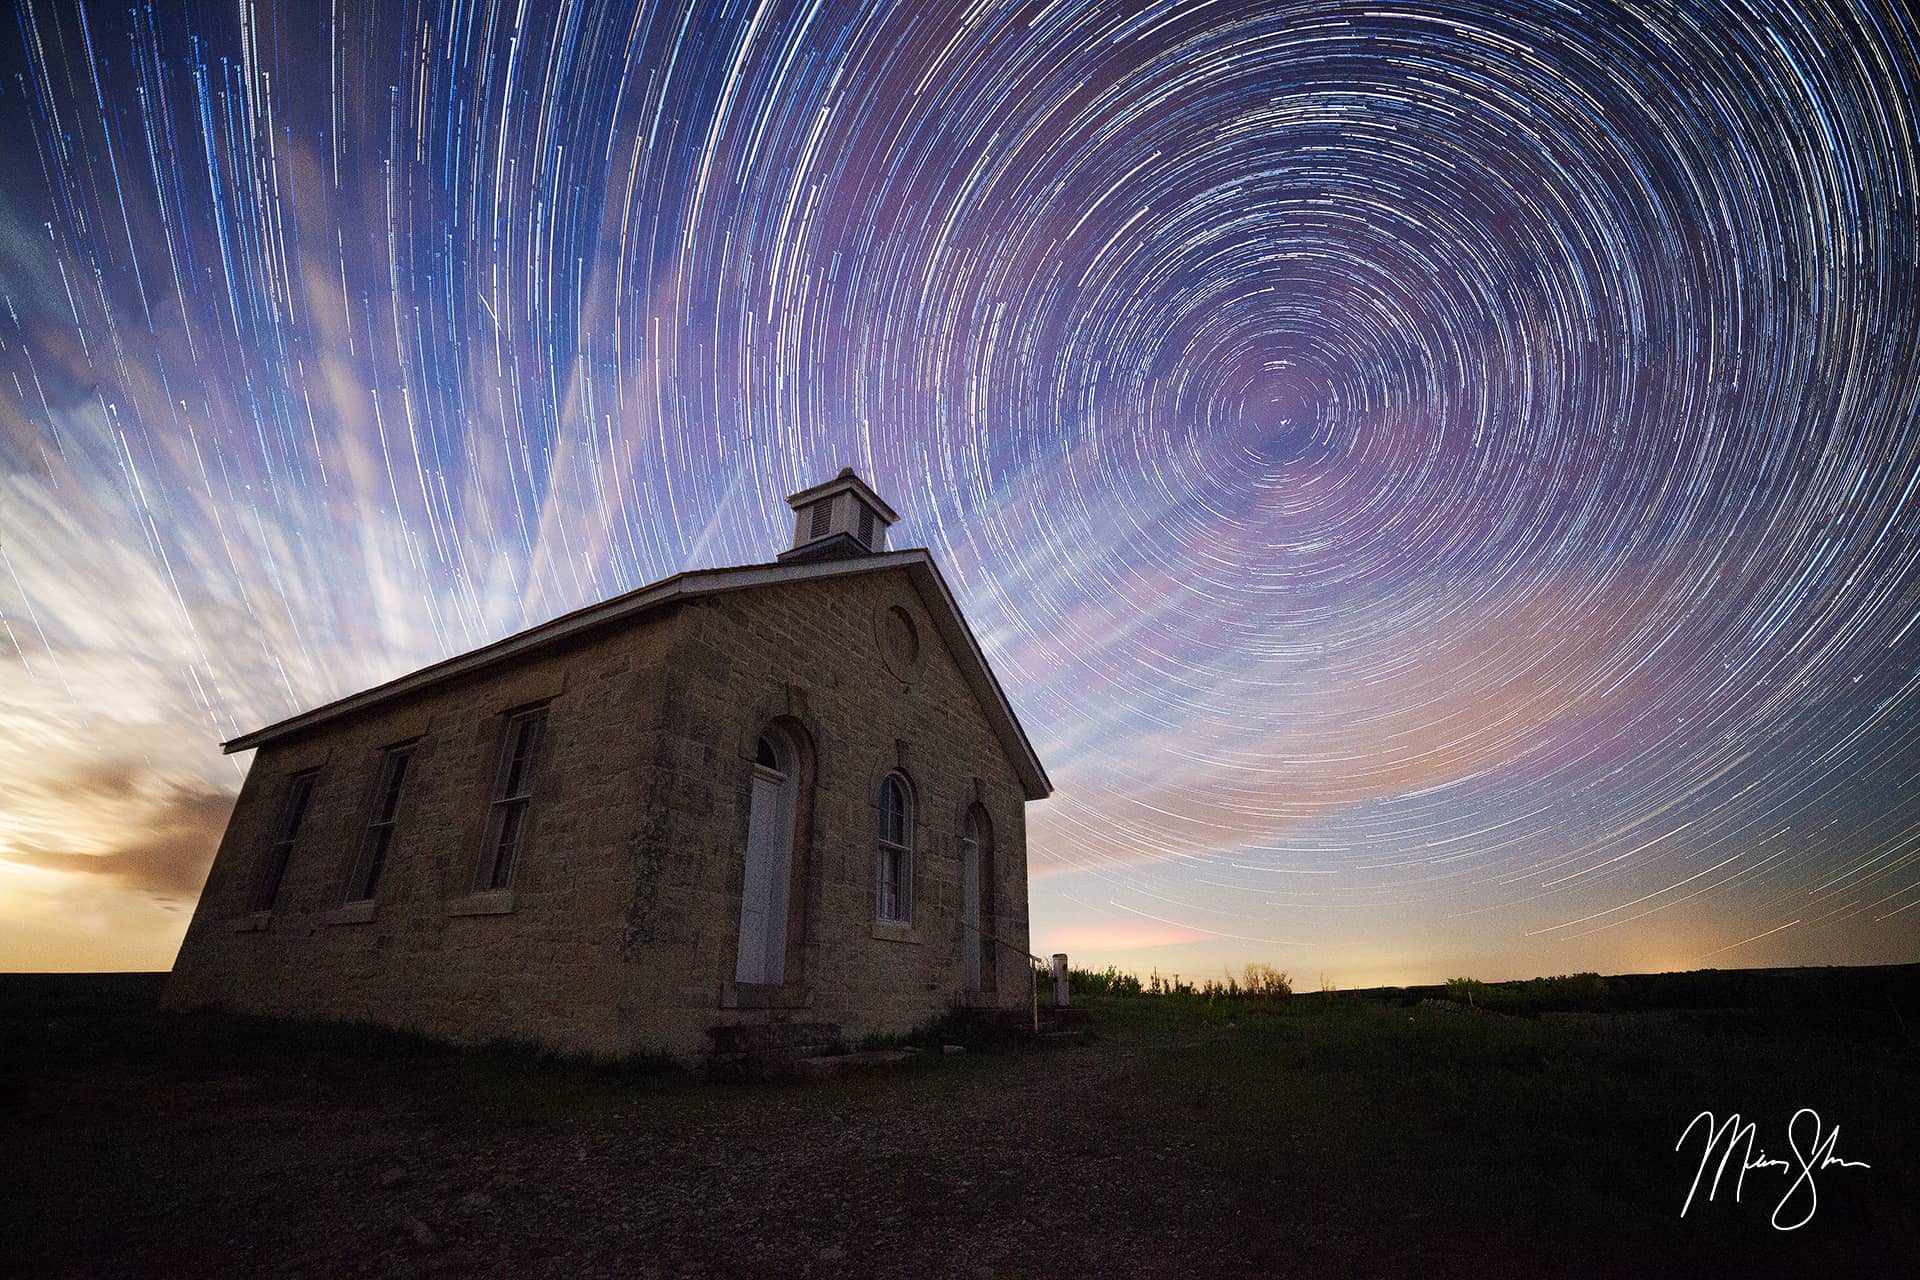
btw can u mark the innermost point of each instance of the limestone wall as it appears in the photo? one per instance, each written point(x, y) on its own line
point(807, 655)
point(533, 963)
point(619, 931)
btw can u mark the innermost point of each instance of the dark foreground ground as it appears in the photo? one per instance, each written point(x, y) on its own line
point(1334, 1136)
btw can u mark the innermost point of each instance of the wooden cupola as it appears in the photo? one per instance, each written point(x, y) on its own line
point(840, 518)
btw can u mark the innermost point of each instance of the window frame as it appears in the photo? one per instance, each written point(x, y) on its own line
point(894, 855)
point(977, 842)
point(508, 809)
point(295, 801)
point(383, 812)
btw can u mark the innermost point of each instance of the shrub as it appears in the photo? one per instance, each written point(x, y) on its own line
point(1566, 991)
point(1095, 982)
point(1257, 982)
point(1266, 981)
point(1159, 986)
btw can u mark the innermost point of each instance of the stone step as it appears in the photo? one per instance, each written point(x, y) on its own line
point(795, 1039)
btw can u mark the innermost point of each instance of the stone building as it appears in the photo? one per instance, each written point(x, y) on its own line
point(789, 792)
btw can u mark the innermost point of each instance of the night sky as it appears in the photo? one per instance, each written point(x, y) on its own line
point(1436, 480)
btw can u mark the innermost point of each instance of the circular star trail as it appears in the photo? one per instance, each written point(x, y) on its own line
point(1438, 480)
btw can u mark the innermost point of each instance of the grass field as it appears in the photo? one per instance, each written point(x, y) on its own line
point(1357, 1134)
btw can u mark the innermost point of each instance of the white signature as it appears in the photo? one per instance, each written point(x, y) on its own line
point(1727, 1137)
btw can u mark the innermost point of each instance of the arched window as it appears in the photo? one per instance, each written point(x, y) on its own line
point(895, 874)
point(977, 904)
point(765, 891)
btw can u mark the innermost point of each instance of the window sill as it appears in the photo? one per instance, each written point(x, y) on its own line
point(255, 922)
point(352, 912)
point(498, 902)
point(896, 931)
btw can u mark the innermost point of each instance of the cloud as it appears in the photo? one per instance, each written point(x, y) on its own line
point(164, 853)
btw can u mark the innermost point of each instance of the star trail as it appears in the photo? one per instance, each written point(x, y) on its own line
point(1437, 479)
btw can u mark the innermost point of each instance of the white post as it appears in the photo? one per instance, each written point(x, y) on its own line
point(1059, 979)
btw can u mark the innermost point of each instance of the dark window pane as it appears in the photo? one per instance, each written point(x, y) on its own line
point(523, 741)
point(893, 812)
point(519, 756)
point(376, 859)
point(270, 881)
point(298, 793)
point(511, 821)
point(822, 513)
point(293, 810)
point(396, 775)
point(517, 762)
point(765, 756)
point(889, 884)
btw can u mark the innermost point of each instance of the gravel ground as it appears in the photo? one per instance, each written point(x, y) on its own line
point(1035, 1162)
point(144, 1146)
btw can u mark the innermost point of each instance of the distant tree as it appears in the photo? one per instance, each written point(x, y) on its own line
point(1265, 980)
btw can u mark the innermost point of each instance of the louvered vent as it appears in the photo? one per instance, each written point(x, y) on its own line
point(842, 517)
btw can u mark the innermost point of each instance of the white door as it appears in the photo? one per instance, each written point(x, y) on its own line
point(763, 900)
point(970, 909)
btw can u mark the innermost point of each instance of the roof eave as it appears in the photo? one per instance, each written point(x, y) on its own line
point(693, 582)
point(853, 483)
point(986, 686)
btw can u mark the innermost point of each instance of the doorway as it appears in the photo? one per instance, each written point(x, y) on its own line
point(769, 862)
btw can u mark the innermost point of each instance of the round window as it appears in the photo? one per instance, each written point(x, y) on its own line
point(899, 642)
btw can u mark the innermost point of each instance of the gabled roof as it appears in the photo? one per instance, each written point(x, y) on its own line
point(693, 585)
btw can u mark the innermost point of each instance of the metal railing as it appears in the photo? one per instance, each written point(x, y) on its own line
point(1032, 973)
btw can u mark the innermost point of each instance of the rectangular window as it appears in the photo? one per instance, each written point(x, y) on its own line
point(379, 836)
point(292, 810)
point(866, 525)
point(822, 513)
point(512, 790)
